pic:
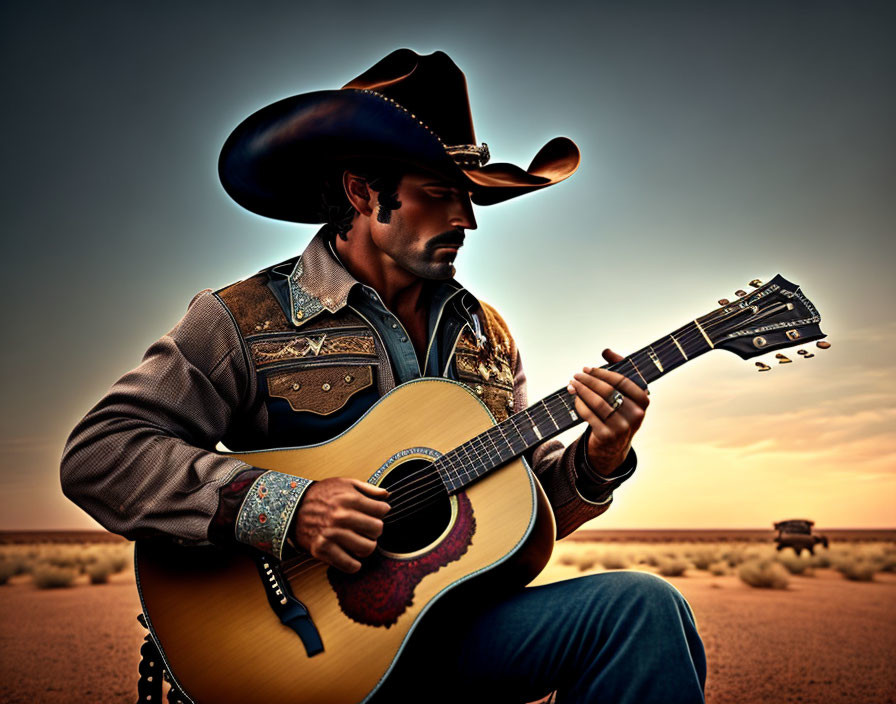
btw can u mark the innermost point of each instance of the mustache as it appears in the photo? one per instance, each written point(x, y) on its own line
point(453, 238)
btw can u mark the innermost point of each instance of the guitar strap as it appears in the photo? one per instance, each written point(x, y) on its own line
point(152, 672)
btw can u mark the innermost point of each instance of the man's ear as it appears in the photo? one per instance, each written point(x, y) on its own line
point(358, 193)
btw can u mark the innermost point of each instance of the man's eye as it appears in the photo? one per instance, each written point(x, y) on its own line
point(440, 193)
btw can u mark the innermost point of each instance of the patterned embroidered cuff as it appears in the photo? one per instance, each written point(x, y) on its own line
point(267, 511)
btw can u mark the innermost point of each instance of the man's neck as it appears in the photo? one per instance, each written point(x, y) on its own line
point(401, 291)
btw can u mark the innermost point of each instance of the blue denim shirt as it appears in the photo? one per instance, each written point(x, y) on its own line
point(450, 311)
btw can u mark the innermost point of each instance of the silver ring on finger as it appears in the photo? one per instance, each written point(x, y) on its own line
point(615, 400)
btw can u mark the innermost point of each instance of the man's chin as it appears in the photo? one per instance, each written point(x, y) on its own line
point(441, 272)
point(435, 271)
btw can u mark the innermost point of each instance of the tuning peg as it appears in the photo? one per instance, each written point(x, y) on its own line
point(755, 283)
point(782, 359)
point(823, 344)
point(740, 293)
point(724, 301)
point(763, 367)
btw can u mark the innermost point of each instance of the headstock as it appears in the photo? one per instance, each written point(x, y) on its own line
point(774, 316)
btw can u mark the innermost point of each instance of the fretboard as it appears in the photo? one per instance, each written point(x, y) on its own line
point(556, 412)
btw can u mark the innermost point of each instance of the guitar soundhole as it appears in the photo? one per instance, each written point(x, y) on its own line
point(421, 508)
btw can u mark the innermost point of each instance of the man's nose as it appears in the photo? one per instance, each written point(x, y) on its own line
point(463, 217)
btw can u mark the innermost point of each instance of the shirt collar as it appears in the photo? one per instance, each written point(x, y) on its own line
point(319, 281)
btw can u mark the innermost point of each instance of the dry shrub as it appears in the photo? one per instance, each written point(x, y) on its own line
point(719, 569)
point(702, 559)
point(7, 570)
point(764, 573)
point(882, 556)
point(672, 566)
point(733, 557)
point(760, 552)
point(796, 565)
point(588, 561)
point(821, 560)
point(649, 559)
point(858, 570)
point(68, 556)
point(12, 563)
point(887, 560)
point(121, 558)
point(614, 560)
point(567, 560)
point(117, 557)
point(49, 576)
point(99, 571)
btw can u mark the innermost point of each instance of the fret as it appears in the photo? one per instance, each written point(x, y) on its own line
point(528, 420)
point(703, 332)
point(470, 463)
point(507, 449)
point(669, 356)
point(567, 401)
point(504, 437)
point(445, 468)
point(648, 369)
point(490, 434)
point(550, 415)
point(556, 412)
point(561, 410)
point(655, 358)
point(679, 347)
point(637, 371)
point(535, 429)
point(492, 451)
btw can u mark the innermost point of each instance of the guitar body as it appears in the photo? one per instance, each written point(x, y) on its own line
point(208, 609)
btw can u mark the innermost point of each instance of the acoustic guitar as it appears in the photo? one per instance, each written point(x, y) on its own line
point(237, 626)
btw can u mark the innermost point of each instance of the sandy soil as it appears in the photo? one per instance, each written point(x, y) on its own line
point(822, 641)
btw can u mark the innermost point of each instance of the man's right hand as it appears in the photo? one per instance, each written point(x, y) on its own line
point(339, 520)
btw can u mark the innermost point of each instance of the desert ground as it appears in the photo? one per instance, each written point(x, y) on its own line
point(821, 638)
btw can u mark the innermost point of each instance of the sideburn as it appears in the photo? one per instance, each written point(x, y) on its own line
point(387, 203)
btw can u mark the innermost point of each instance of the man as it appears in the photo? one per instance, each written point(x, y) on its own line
point(298, 353)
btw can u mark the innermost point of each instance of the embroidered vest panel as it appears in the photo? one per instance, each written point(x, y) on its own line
point(486, 366)
point(318, 378)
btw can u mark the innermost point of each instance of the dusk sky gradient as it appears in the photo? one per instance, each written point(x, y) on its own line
point(721, 142)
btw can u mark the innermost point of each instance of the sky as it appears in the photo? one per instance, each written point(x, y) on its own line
point(721, 142)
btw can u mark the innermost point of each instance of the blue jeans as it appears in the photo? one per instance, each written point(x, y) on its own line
point(613, 638)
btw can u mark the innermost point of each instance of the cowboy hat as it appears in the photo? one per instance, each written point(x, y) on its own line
point(409, 109)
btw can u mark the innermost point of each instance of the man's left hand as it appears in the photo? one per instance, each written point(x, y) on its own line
point(612, 428)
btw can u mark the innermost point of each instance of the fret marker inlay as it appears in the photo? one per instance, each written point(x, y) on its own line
point(655, 359)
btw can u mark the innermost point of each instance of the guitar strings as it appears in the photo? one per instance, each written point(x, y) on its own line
point(537, 413)
point(433, 487)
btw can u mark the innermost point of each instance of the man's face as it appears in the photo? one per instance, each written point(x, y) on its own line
point(426, 231)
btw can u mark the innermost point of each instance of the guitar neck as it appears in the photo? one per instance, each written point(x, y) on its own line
point(556, 412)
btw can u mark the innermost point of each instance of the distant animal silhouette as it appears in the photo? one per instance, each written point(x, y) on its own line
point(797, 534)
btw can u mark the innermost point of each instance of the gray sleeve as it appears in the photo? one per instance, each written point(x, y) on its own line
point(142, 461)
point(558, 468)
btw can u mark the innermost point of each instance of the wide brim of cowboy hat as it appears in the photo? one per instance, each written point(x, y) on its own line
point(275, 162)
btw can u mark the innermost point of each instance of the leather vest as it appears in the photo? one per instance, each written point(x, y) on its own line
point(316, 377)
